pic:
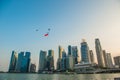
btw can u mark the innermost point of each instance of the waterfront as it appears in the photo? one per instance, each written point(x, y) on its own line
point(19, 76)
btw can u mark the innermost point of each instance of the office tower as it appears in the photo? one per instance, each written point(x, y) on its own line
point(107, 59)
point(63, 54)
point(23, 62)
point(63, 60)
point(85, 57)
point(42, 61)
point(91, 56)
point(59, 64)
point(60, 49)
point(99, 53)
point(69, 62)
point(75, 54)
point(13, 62)
point(51, 53)
point(19, 62)
point(63, 64)
point(69, 50)
point(32, 68)
point(50, 60)
point(117, 61)
point(26, 62)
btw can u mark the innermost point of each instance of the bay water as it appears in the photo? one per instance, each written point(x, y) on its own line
point(20, 76)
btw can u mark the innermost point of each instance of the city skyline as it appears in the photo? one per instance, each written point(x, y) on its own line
point(69, 21)
point(69, 61)
point(47, 60)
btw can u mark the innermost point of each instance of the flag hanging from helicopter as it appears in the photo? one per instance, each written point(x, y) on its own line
point(46, 34)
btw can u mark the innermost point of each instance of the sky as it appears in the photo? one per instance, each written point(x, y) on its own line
point(70, 21)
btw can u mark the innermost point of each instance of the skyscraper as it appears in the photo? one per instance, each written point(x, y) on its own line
point(69, 50)
point(50, 60)
point(32, 68)
point(69, 62)
point(60, 49)
point(23, 62)
point(75, 54)
point(26, 62)
point(51, 53)
point(99, 53)
point(107, 59)
point(63, 60)
point(59, 64)
point(91, 56)
point(19, 62)
point(85, 56)
point(64, 54)
point(117, 61)
point(42, 61)
point(13, 62)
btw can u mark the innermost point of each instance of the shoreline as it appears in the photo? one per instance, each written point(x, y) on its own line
point(59, 73)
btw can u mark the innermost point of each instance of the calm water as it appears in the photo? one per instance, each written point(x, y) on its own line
point(6, 76)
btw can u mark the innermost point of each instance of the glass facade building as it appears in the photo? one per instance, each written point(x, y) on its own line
point(117, 61)
point(85, 57)
point(42, 61)
point(19, 62)
point(69, 62)
point(91, 56)
point(32, 68)
point(13, 62)
point(75, 54)
point(60, 49)
point(99, 53)
point(50, 60)
point(23, 62)
point(63, 61)
point(69, 50)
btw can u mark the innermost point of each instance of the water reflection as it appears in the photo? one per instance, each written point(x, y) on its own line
point(5, 76)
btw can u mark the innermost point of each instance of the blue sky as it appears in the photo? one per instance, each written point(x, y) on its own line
point(69, 21)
